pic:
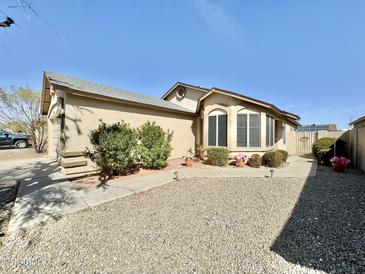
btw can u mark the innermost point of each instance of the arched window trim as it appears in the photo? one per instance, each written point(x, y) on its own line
point(217, 122)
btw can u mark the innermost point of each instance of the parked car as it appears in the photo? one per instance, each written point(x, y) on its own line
point(13, 139)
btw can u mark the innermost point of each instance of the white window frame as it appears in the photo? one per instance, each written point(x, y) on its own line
point(216, 113)
point(273, 131)
point(248, 112)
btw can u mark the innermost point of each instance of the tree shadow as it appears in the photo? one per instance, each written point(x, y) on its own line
point(42, 195)
point(326, 230)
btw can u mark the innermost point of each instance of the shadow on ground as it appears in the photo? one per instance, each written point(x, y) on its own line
point(326, 230)
point(42, 192)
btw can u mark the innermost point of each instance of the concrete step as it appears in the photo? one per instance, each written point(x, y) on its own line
point(73, 162)
point(79, 171)
point(66, 154)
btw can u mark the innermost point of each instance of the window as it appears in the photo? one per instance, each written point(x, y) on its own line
point(284, 134)
point(248, 129)
point(217, 129)
point(270, 123)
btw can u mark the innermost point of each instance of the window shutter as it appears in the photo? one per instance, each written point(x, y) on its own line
point(212, 130)
point(222, 130)
point(254, 122)
point(241, 130)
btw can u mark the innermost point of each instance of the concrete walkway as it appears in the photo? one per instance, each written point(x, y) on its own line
point(45, 194)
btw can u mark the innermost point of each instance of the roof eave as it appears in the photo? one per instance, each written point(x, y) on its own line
point(111, 99)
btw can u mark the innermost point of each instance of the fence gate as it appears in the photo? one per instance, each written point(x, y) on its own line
point(300, 143)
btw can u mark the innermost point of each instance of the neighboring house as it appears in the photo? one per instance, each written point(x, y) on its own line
point(314, 127)
point(199, 118)
point(357, 142)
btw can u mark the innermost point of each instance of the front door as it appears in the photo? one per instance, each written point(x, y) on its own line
point(5, 139)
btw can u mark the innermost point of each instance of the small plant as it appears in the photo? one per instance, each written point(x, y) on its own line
point(189, 154)
point(339, 163)
point(218, 156)
point(255, 161)
point(324, 149)
point(154, 146)
point(189, 157)
point(284, 153)
point(272, 158)
point(240, 159)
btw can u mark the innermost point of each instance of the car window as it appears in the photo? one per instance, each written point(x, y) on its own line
point(3, 132)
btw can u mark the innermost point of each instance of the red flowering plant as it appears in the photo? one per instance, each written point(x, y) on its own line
point(240, 159)
point(339, 163)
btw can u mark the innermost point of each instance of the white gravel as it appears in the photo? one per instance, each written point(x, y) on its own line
point(246, 225)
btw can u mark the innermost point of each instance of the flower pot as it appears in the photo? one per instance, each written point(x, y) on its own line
point(240, 163)
point(338, 167)
point(189, 162)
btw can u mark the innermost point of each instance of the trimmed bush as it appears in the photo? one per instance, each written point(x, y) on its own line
point(113, 147)
point(154, 145)
point(218, 156)
point(255, 161)
point(323, 149)
point(272, 158)
point(284, 153)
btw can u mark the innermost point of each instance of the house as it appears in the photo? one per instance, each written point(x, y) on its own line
point(199, 118)
point(314, 127)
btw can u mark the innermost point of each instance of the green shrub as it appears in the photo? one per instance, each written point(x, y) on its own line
point(272, 158)
point(218, 156)
point(284, 153)
point(255, 161)
point(113, 147)
point(154, 145)
point(323, 149)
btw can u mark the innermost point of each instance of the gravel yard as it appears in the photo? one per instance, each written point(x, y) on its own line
point(247, 225)
point(8, 192)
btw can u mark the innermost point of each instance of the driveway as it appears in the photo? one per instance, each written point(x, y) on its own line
point(246, 225)
point(11, 154)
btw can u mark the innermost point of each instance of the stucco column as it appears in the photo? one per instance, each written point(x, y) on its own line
point(204, 114)
point(231, 121)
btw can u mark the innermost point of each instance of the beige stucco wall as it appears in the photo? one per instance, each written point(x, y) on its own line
point(190, 99)
point(232, 106)
point(83, 115)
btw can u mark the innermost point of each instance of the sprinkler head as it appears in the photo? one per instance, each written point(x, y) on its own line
point(272, 172)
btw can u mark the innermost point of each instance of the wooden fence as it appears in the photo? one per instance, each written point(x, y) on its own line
point(300, 143)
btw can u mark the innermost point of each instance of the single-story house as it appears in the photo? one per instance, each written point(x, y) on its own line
point(199, 118)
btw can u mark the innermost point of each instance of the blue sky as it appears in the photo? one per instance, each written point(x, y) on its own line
point(304, 56)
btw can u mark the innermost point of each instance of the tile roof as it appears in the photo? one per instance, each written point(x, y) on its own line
point(99, 89)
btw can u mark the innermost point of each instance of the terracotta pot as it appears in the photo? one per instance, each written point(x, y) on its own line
point(240, 163)
point(337, 167)
point(189, 162)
